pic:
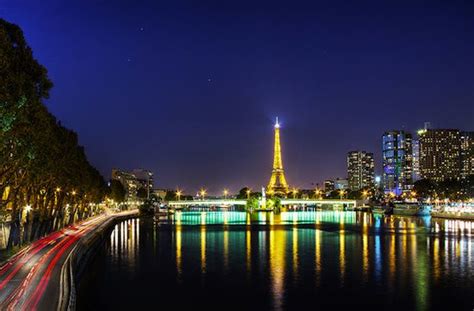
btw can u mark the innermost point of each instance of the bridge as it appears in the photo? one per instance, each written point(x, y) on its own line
point(284, 202)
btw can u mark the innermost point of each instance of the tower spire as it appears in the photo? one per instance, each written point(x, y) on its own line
point(277, 183)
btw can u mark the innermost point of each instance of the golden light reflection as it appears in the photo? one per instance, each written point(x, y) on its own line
point(178, 249)
point(277, 265)
point(226, 249)
point(203, 249)
point(295, 252)
point(317, 239)
point(342, 256)
point(248, 250)
point(365, 253)
point(392, 265)
point(436, 267)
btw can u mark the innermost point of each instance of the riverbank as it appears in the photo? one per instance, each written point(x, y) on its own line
point(42, 276)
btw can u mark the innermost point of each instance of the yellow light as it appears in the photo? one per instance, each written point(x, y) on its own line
point(28, 208)
point(73, 192)
point(58, 189)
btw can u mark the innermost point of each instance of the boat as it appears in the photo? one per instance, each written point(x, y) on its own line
point(412, 209)
point(382, 210)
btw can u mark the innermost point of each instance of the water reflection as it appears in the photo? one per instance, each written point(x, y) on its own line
point(307, 252)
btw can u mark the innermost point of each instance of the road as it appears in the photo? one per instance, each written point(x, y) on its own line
point(31, 279)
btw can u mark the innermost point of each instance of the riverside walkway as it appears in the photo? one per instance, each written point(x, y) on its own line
point(32, 279)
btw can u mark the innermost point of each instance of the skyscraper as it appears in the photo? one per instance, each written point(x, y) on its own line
point(397, 154)
point(467, 154)
point(277, 184)
point(360, 169)
point(440, 154)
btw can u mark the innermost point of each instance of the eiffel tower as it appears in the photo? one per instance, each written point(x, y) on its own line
point(277, 184)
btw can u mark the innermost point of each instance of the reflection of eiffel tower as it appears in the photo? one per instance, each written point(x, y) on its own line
point(277, 184)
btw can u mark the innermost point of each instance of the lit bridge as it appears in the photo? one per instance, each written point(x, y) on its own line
point(284, 202)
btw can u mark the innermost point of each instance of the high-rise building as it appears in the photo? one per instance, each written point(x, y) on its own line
point(341, 184)
point(328, 186)
point(467, 154)
point(277, 184)
point(440, 154)
point(134, 181)
point(416, 159)
point(397, 154)
point(145, 179)
point(360, 169)
point(129, 183)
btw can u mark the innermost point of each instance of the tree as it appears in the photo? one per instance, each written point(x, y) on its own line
point(142, 193)
point(425, 188)
point(41, 164)
point(117, 191)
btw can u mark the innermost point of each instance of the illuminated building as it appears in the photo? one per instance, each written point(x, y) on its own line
point(145, 179)
point(328, 186)
point(416, 160)
point(341, 184)
point(360, 169)
point(440, 154)
point(397, 155)
point(277, 184)
point(129, 183)
point(133, 181)
point(467, 154)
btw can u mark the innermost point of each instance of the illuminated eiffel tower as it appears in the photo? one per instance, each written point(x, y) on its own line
point(277, 184)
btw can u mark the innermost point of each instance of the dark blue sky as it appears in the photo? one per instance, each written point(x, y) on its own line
point(190, 89)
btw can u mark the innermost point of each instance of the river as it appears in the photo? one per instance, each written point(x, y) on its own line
point(292, 260)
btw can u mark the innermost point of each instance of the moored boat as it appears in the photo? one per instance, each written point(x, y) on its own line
point(407, 209)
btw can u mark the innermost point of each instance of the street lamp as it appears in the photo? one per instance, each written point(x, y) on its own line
point(341, 193)
point(178, 194)
point(294, 191)
point(364, 194)
point(317, 193)
point(225, 193)
point(248, 193)
point(203, 193)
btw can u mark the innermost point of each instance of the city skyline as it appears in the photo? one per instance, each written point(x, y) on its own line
point(334, 91)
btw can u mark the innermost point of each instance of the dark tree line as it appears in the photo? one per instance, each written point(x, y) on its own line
point(46, 180)
point(452, 189)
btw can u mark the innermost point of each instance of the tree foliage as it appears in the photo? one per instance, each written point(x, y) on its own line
point(41, 164)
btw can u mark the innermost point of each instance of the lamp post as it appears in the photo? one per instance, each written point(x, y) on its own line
point(203, 193)
point(341, 193)
point(225, 193)
point(248, 193)
point(294, 191)
point(178, 194)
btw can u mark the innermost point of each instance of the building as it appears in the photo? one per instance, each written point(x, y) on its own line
point(416, 160)
point(133, 181)
point(328, 186)
point(277, 184)
point(129, 183)
point(440, 154)
point(341, 184)
point(145, 180)
point(467, 154)
point(360, 169)
point(397, 157)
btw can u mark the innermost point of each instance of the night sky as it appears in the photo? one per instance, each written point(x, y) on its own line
point(190, 90)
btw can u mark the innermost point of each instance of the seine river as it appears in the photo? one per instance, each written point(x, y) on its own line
point(293, 260)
